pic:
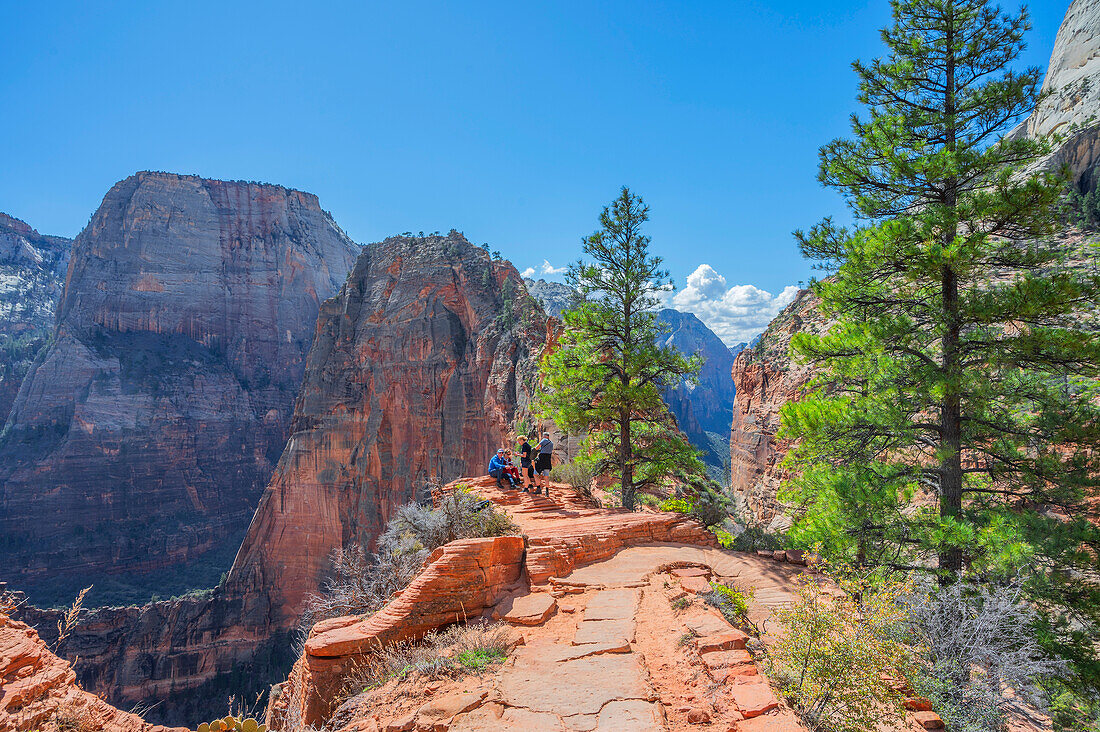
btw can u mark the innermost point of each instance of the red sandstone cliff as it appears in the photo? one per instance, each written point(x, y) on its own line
point(145, 433)
point(38, 691)
point(766, 378)
point(421, 366)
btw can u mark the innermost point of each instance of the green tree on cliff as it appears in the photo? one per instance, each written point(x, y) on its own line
point(952, 426)
point(606, 376)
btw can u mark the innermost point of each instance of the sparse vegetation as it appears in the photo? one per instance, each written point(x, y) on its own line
point(837, 657)
point(734, 606)
point(68, 622)
point(361, 582)
point(980, 653)
point(451, 652)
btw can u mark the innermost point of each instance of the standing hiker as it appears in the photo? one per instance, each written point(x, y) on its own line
point(542, 463)
point(527, 463)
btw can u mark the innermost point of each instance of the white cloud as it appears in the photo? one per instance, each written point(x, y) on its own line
point(545, 269)
point(738, 313)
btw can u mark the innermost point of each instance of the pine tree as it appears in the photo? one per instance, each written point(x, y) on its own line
point(954, 422)
point(606, 375)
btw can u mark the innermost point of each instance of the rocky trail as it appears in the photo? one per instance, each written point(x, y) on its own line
point(622, 643)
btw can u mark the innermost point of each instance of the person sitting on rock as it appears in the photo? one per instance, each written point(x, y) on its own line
point(511, 470)
point(496, 469)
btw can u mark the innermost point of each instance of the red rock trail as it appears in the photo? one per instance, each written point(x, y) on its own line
point(603, 642)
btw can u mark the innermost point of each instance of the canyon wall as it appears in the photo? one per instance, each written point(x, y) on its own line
point(421, 368)
point(32, 273)
point(143, 435)
point(766, 378)
point(1071, 104)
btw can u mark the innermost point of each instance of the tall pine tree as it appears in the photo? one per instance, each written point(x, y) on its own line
point(605, 377)
point(954, 423)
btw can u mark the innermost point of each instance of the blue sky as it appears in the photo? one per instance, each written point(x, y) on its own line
point(512, 122)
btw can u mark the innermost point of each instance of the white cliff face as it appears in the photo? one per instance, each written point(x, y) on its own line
point(1072, 82)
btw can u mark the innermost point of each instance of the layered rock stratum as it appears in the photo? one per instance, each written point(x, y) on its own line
point(32, 274)
point(766, 377)
point(39, 692)
point(144, 434)
point(423, 365)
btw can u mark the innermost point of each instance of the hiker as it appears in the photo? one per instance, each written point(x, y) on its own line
point(527, 463)
point(511, 470)
point(496, 469)
point(542, 463)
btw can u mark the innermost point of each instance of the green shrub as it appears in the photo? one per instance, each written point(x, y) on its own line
point(733, 604)
point(835, 658)
point(576, 473)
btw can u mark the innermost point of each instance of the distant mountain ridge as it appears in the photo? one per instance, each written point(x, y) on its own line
point(32, 275)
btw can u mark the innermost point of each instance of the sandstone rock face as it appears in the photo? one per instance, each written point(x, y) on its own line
point(421, 367)
point(1073, 96)
point(554, 297)
point(765, 379)
point(32, 273)
point(1072, 105)
point(38, 690)
point(144, 434)
point(702, 411)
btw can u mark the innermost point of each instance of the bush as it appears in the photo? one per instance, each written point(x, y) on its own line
point(452, 652)
point(578, 474)
point(979, 644)
point(361, 582)
point(836, 657)
point(702, 499)
point(733, 604)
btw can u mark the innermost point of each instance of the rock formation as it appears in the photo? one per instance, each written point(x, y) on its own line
point(39, 693)
point(766, 378)
point(422, 366)
point(1071, 107)
point(145, 432)
point(702, 410)
point(465, 579)
point(554, 296)
point(32, 273)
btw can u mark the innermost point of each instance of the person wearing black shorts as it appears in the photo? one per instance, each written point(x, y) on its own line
point(526, 462)
point(542, 463)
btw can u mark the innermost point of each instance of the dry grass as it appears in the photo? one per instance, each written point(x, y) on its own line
point(451, 652)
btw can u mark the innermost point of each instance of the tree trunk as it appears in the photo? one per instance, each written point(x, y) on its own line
point(626, 466)
point(951, 476)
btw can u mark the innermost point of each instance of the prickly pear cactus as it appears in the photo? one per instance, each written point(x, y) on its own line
point(232, 724)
